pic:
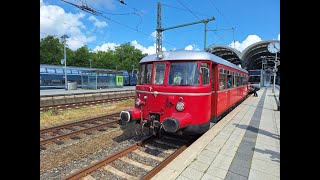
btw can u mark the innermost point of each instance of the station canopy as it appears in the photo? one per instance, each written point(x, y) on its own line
point(250, 58)
point(226, 52)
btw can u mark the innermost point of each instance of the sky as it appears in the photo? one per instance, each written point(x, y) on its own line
point(237, 23)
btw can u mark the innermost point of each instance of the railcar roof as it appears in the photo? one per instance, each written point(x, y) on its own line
point(190, 55)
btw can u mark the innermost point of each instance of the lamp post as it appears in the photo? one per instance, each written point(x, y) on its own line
point(264, 62)
point(274, 72)
point(90, 60)
point(64, 37)
point(274, 48)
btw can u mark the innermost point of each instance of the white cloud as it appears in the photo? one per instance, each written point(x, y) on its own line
point(154, 35)
point(192, 47)
point(247, 42)
point(55, 21)
point(106, 47)
point(279, 37)
point(149, 50)
point(97, 23)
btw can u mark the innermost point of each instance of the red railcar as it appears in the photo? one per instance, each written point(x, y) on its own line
point(183, 91)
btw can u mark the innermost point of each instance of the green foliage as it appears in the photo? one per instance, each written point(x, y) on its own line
point(81, 57)
point(128, 56)
point(124, 57)
point(51, 50)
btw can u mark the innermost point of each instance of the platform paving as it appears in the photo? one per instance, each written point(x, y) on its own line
point(245, 144)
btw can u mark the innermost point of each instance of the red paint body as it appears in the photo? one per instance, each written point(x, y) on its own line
point(202, 102)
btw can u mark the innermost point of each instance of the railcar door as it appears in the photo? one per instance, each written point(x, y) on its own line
point(214, 88)
point(230, 88)
point(222, 93)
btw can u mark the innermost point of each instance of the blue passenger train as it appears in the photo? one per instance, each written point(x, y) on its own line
point(52, 76)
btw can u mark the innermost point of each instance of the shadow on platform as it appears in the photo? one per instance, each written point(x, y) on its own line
point(275, 156)
point(257, 130)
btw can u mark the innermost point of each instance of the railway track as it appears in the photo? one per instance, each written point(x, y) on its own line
point(81, 104)
point(139, 161)
point(71, 130)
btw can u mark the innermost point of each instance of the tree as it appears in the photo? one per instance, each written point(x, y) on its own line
point(81, 57)
point(51, 50)
point(127, 55)
point(104, 59)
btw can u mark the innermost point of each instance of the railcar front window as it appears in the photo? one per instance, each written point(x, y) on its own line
point(158, 71)
point(184, 74)
point(205, 73)
point(145, 75)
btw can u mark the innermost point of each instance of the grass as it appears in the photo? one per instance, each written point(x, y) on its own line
point(55, 117)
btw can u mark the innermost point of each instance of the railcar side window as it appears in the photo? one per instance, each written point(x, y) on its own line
point(183, 74)
point(222, 79)
point(242, 79)
point(245, 80)
point(158, 76)
point(230, 79)
point(205, 73)
point(145, 75)
point(237, 80)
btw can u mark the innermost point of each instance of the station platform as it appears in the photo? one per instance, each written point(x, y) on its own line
point(245, 144)
point(59, 92)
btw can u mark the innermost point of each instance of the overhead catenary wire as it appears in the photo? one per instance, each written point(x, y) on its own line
point(63, 22)
point(212, 4)
point(97, 13)
point(171, 6)
point(194, 14)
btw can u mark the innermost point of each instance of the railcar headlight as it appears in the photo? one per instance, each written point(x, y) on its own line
point(180, 106)
point(138, 102)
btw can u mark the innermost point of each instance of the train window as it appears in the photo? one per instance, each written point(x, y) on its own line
point(145, 75)
point(74, 71)
point(245, 79)
point(68, 71)
point(205, 73)
point(237, 80)
point(184, 74)
point(43, 70)
point(58, 70)
point(222, 79)
point(242, 79)
point(229, 79)
point(51, 70)
point(158, 76)
point(46, 82)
